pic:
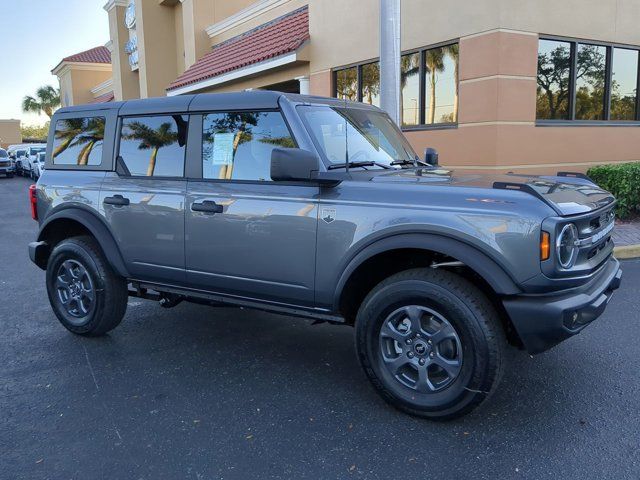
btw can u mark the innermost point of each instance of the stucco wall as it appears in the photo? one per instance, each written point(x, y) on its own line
point(9, 133)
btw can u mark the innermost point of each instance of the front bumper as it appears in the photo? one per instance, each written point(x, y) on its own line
point(543, 321)
point(6, 170)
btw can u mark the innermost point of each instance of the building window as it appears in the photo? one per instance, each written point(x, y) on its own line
point(428, 85)
point(78, 141)
point(586, 82)
point(238, 145)
point(154, 146)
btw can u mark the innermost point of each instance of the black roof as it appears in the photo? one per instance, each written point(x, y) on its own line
point(254, 99)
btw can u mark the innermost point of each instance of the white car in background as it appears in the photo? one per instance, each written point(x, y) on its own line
point(28, 161)
point(38, 166)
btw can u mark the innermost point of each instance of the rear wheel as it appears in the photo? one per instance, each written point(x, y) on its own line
point(430, 343)
point(86, 295)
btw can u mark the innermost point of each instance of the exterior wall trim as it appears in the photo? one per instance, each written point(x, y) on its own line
point(497, 77)
point(102, 86)
point(499, 30)
point(114, 3)
point(64, 67)
point(236, 74)
point(258, 8)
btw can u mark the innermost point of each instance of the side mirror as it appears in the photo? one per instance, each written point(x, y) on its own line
point(293, 165)
point(431, 156)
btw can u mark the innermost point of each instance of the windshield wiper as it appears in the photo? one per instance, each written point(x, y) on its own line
point(409, 162)
point(357, 164)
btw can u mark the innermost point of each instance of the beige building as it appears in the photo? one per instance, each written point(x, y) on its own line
point(10, 133)
point(85, 77)
point(505, 85)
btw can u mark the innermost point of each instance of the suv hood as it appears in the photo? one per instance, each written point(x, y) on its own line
point(568, 195)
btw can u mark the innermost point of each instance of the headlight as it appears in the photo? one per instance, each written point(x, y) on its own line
point(566, 246)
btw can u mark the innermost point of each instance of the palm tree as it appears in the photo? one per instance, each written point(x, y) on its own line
point(434, 60)
point(93, 134)
point(409, 66)
point(71, 128)
point(152, 139)
point(453, 51)
point(47, 100)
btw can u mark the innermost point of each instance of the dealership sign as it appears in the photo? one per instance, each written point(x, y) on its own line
point(131, 47)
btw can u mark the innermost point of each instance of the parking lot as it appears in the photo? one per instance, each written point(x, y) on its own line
point(196, 392)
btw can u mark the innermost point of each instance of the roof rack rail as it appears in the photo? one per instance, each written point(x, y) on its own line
point(523, 187)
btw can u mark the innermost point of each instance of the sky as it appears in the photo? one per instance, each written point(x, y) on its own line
point(34, 36)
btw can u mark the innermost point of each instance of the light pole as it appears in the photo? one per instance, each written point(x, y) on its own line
point(390, 58)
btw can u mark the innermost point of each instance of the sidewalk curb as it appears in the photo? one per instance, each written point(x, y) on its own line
point(627, 251)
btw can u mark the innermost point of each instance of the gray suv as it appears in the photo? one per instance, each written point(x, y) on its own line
point(319, 208)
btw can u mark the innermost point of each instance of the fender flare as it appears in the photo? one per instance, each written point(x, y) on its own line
point(96, 226)
point(494, 274)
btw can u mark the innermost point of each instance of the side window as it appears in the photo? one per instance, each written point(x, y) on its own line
point(154, 146)
point(237, 146)
point(78, 141)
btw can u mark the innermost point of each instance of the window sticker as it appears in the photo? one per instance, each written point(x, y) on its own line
point(222, 152)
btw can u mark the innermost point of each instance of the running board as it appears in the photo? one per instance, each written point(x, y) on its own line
point(141, 290)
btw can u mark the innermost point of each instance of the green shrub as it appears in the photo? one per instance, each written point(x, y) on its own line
point(623, 180)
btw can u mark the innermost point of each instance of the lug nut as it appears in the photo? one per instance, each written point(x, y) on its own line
point(432, 354)
point(422, 361)
point(418, 335)
point(408, 341)
point(410, 354)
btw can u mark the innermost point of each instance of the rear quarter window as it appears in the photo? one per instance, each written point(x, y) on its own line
point(78, 141)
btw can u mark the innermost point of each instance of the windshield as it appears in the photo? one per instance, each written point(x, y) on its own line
point(3, 153)
point(20, 153)
point(36, 150)
point(356, 135)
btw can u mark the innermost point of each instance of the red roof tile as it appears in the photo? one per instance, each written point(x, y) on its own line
point(95, 55)
point(104, 98)
point(278, 37)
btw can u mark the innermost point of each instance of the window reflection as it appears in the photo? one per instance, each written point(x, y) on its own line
point(347, 84)
point(441, 71)
point(371, 84)
point(238, 145)
point(590, 82)
point(410, 89)
point(154, 146)
point(554, 67)
point(78, 141)
point(624, 84)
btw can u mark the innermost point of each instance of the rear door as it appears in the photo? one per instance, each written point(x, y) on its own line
point(143, 201)
point(248, 236)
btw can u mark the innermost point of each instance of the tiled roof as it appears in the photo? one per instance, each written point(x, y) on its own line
point(95, 55)
point(281, 36)
point(104, 98)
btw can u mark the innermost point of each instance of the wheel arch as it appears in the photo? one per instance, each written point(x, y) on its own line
point(77, 220)
point(427, 246)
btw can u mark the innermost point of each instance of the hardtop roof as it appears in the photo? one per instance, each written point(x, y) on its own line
point(255, 99)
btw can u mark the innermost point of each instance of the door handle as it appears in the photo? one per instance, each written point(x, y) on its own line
point(118, 200)
point(208, 206)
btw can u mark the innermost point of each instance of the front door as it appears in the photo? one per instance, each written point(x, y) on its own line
point(247, 236)
point(144, 202)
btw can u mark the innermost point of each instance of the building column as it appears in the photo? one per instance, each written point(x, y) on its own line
point(126, 83)
point(304, 85)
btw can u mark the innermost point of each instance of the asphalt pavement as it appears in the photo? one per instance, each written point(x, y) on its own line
point(213, 393)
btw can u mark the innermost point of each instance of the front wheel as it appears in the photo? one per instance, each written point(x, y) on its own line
point(86, 295)
point(430, 343)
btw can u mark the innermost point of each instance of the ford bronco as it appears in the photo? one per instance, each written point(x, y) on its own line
point(319, 208)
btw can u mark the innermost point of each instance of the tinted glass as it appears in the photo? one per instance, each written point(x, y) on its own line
point(590, 82)
point(624, 84)
point(154, 146)
point(554, 67)
point(371, 84)
point(347, 84)
point(78, 141)
point(237, 146)
point(441, 83)
point(410, 89)
point(368, 136)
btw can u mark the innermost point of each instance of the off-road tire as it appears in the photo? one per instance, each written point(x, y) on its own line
point(111, 294)
point(475, 321)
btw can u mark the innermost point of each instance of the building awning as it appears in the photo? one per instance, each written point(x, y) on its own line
point(271, 45)
point(104, 98)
